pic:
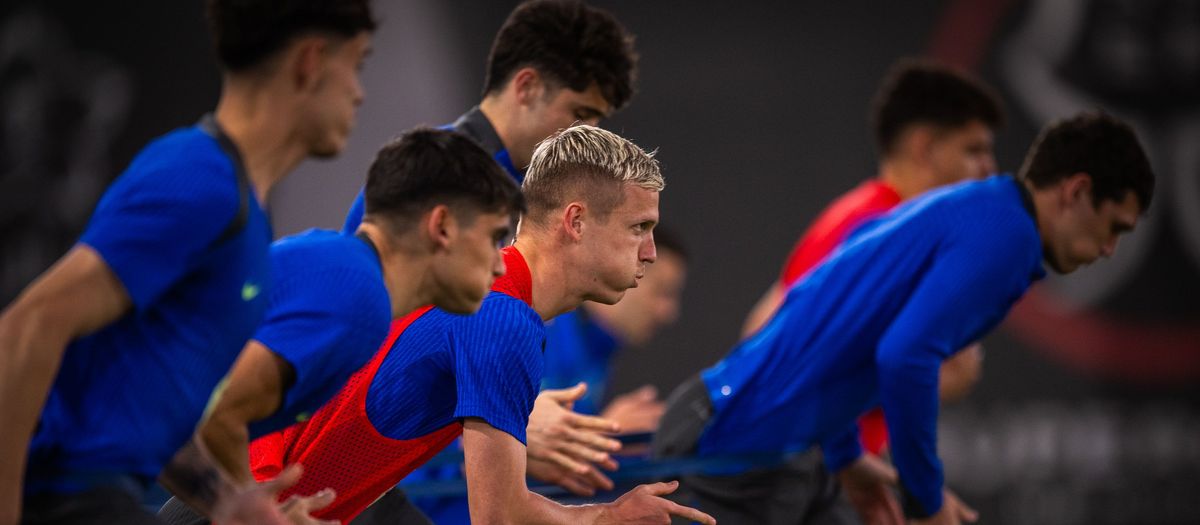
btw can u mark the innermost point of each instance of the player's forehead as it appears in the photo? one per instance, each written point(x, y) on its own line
point(639, 203)
point(1121, 214)
point(590, 99)
point(973, 132)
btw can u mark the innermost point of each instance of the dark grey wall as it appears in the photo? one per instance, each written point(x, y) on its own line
point(758, 111)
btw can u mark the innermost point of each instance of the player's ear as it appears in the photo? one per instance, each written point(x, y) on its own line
point(919, 142)
point(572, 220)
point(304, 61)
point(528, 85)
point(1076, 187)
point(440, 226)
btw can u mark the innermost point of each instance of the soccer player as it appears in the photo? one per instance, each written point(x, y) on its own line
point(437, 208)
point(933, 126)
point(580, 346)
point(593, 203)
point(871, 324)
point(108, 359)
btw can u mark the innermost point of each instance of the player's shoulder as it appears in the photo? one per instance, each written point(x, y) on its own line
point(502, 307)
point(185, 169)
point(325, 260)
point(182, 152)
point(321, 245)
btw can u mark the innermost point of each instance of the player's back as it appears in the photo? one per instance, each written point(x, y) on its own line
point(187, 239)
point(813, 364)
point(328, 314)
point(406, 404)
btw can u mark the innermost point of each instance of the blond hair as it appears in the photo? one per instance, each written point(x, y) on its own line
point(588, 164)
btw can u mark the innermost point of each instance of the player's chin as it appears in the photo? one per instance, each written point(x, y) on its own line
point(465, 304)
point(327, 150)
point(332, 146)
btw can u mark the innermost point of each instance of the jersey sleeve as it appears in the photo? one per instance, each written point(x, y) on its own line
point(972, 282)
point(326, 323)
point(160, 218)
point(498, 355)
point(354, 217)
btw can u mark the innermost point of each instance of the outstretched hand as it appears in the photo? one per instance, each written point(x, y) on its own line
point(585, 484)
point(258, 503)
point(570, 440)
point(645, 504)
point(868, 484)
point(953, 512)
point(636, 411)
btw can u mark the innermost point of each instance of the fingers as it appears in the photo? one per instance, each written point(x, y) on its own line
point(583, 452)
point(964, 512)
point(562, 460)
point(584, 422)
point(646, 393)
point(690, 513)
point(566, 395)
point(576, 487)
point(597, 479)
point(659, 489)
point(320, 500)
point(288, 477)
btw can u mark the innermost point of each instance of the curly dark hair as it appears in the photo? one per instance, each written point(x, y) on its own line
point(571, 43)
point(1095, 143)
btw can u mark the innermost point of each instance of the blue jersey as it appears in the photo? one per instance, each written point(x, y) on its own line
point(446, 367)
point(187, 239)
point(579, 349)
point(871, 325)
point(329, 312)
point(473, 124)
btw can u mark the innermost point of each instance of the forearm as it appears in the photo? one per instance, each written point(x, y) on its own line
point(30, 354)
point(534, 509)
point(227, 440)
point(195, 478)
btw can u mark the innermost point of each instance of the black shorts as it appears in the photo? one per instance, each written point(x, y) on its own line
point(799, 491)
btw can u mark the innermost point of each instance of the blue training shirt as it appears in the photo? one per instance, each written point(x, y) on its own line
point(871, 325)
point(579, 349)
point(329, 312)
point(446, 367)
point(188, 240)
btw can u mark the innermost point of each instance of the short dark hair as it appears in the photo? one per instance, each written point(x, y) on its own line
point(571, 43)
point(1095, 143)
point(247, 32)
point(918, 91)
point(425, 167)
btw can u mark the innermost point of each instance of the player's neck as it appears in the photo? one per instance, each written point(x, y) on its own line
point(502, 114)
point(400, 266)
point(259, 122)
point(906, 179)
point(550, 274)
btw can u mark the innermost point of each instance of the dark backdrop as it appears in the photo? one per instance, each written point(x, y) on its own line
point(1088, 410)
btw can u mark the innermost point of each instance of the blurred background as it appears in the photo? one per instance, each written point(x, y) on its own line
point(1089, 407)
